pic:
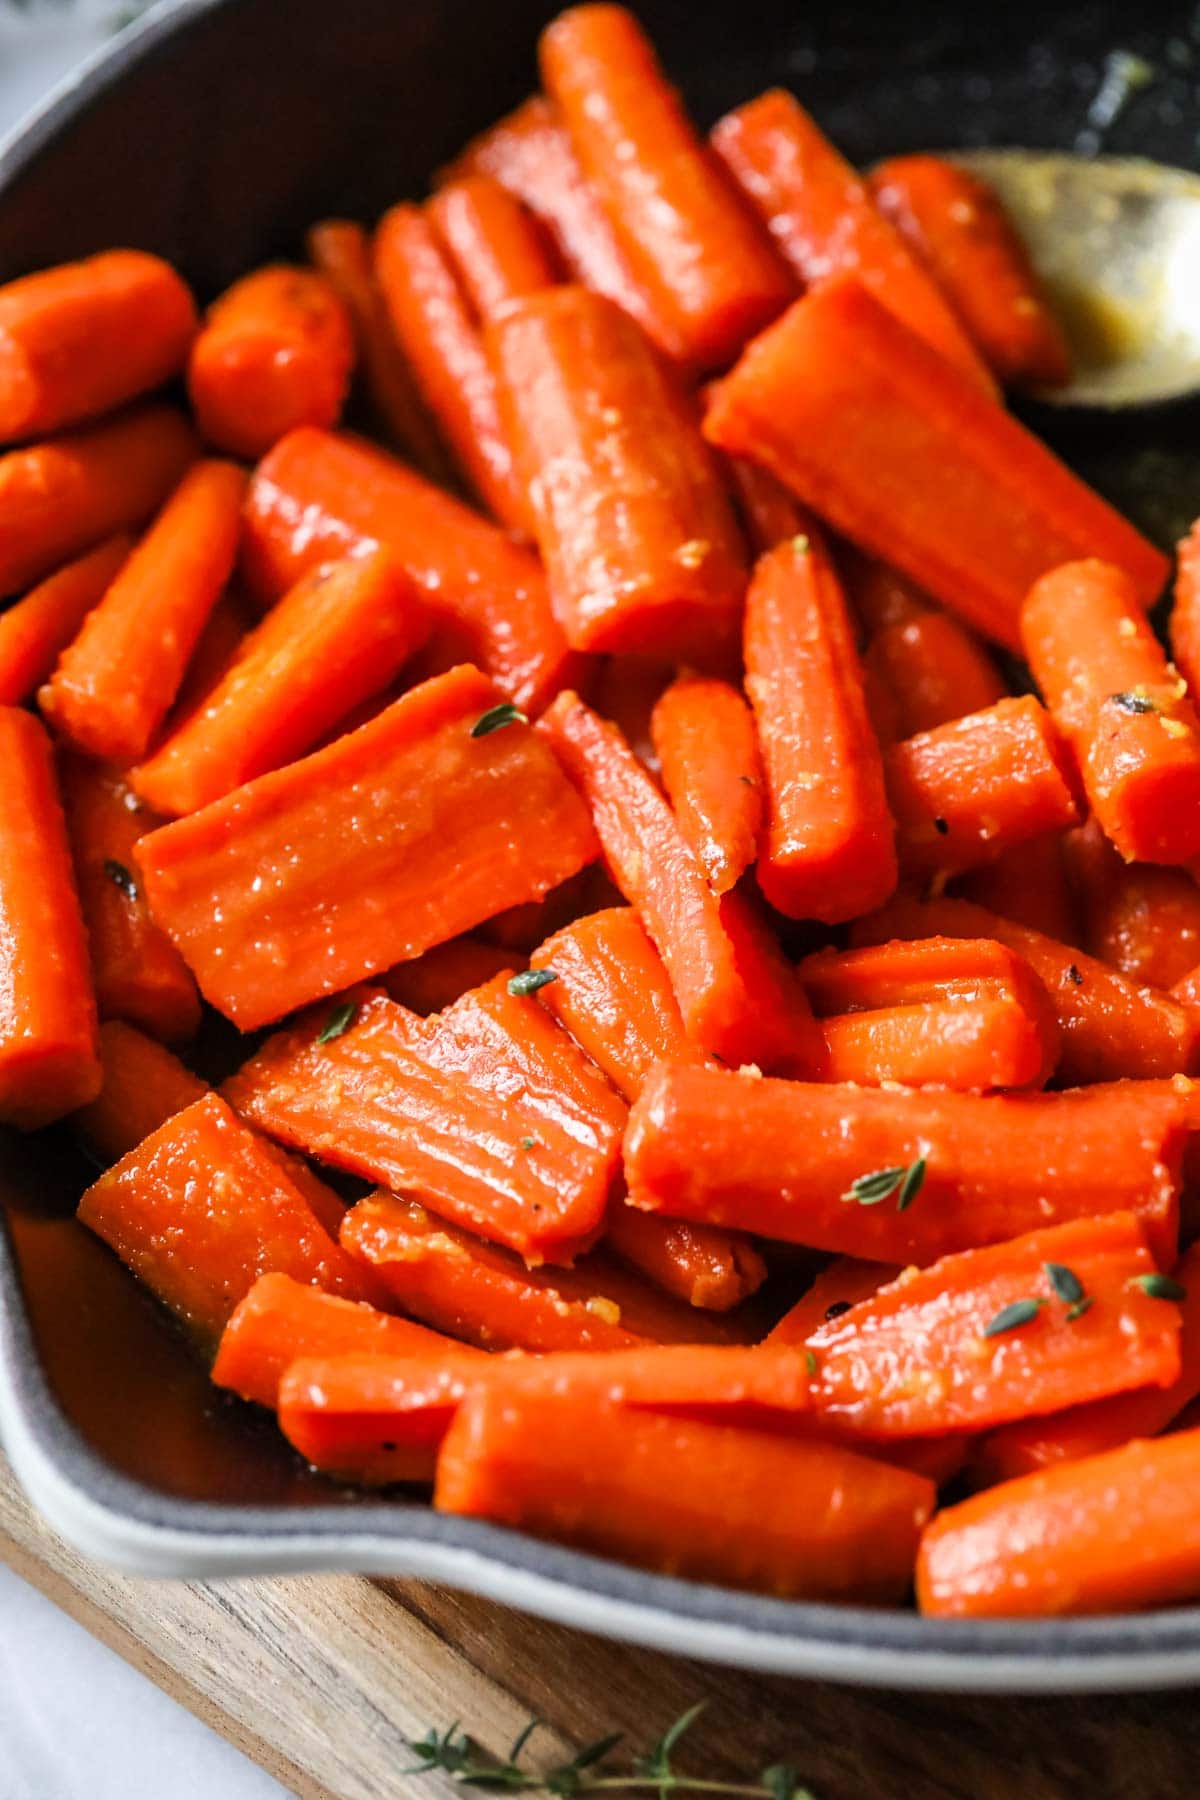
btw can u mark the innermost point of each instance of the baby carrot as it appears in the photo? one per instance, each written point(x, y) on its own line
point(62, 497)
point(704, 734)
point(1142, 918)
point(843, 1285)
point(1028, 885)
point(827, 849)
point(769, 513)
point(937, 670)
point(144, 1084)
point(703, 258)
point(641, 549)
point(702, 1265)
point(49, 1061)
point(339, 637)
point(822, 217)
point(958, 228)
point(1121, 707)
point(845, 405)
point(625, 691)
point(115, 683)
point(1185, 613)
point(442, 975)
point(499, 249)
point(218, 644)
point(276, 351)
point(36, 630)
point(79, 339)
point(520, 929)
point(912, 972)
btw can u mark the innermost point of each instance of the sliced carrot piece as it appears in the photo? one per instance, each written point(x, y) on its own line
point(144, 1085)
point(1185, 613)
point(442, 975)
point(36, 630)
point(707, 749)
point(1028, 885)
point(499, 249)
point(702, 1265)
point(770, 514)
point(844, 1284)
point(1142, 918)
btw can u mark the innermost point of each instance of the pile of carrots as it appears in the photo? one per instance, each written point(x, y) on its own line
point(753, 1046)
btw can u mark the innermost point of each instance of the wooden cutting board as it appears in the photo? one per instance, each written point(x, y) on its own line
point(321, 1680)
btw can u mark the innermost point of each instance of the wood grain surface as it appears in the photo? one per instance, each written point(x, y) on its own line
point(322, 1679)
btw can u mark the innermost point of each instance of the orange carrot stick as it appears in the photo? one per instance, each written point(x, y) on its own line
point(904, 456)
point(704, 260)
point(822, 217)
point(84, 337)
point(499, 249)
point(1142, 919)
point(317, 497)
point(973, 1044)
point(702, 1265)
point(641, 550)
point(401, 835)
point(49, 1061)
point(704, 734)
point(36, 630)
point(276, 351)
point(625, 691)
point(137, 973)
point(783, 1158)
point(442, 975)
point(218, 644)
point(115, 683)
point(827, 848)
point(738, 997)
point(144, 1085)
point(1028, 885)
point(520, 929)
point(1121, 706)
point(910, 972)
point(956, 225)
point(769, 513)
point(62, 497)
point(844, 1284)
point(935, 666)
point(339, 637)
point(1185, 614)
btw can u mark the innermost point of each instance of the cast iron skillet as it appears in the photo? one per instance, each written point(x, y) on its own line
point(214, 134)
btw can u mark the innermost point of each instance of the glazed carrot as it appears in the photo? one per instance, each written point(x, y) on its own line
point(936, 668)
point(911, 972)
point(338, 638)
point(282, 1320)
point(641, 549)
point(970, 790)
point(499, 249)
point(442, 975)
point(1112, 1533)
point(520, 929)
point(144, 1084)
point(216, 648)
point(846, 1283)
point(706, 263)
point(115, 683)
point(904, 456)
point(707, 749)
point(431, 321)
point(769, 513)
point(710, 1502)
point(781, 1158)
point(1185, 613)
point(827, 849)
point(1110, 1026)
point(625, 691)
point(821, 216)
point(879, 595)
point(1142, 918)
point(202, 1208)
point(478, 1292)
point(1187, 990)
point(79, 339)
point(702, 1265)
point(36, 630)
point(49, 1061)
point(1121, 707)
point(392, 839)
point(276, 351)
point(883, 708)
point(934, 1351)
point(62, 497)
point(137, 973)
point(738, 997)
point(341, 250)
point(958, 228)
point(318, 497)
point(1028, 885)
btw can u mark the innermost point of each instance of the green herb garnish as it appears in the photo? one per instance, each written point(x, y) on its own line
point(1080, 1307)
point(529, 981)
point(1133, 702)
point(497, 717)
point(1159, 1287)
point(810, 1361)
point(340, 1019)
point(881, 1184)
point(1016, 1313)
point(1065, 1282)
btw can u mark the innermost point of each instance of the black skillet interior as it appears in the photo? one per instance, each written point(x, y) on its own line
point(215, 142)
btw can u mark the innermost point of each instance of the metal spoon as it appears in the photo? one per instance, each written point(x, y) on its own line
point(1117, 242)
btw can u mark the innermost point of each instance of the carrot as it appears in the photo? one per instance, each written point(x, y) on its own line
point(958, 228)
point(843, 1285)
point(276, 351)
point(499, 249)
point(768, 512)
point(1028, 885)
point(144, 1084)
point(880, 596)
point(910, 972)
point(36, 630)
point(115, 683)
point(968, 791)
point(520, 929)
point(1142, 919)
point(485, 1295)
point(782, 1158)
point(704, 260)
point(486, 594)
point(1121, 707)
point(282, 1320)
point(202, 1208)
point(1187, 990)
point(641, 550)
point(217, 646)
point(738, 997)
point(442, 343)
point(933, 664)
point(704, 734)
point(392, 839)
point(702, 1265)
point(84, 337)
point(827, 848)
point(338, 638)
point(822, 217)
point(60, 498)
point(442, 975)
point(1110, 1026)
point(903, 455)
point(49, 1061)
point(625, 691)
point(137, 973)
point(709, 1502)
point(1112, 1533)
point(341, 251)
point(1185, 613)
